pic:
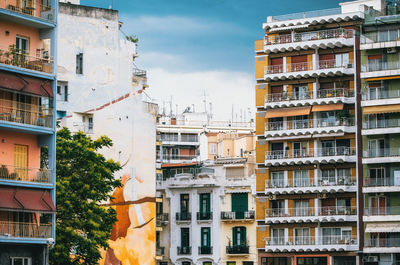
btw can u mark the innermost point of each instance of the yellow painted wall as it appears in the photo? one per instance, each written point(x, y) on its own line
point(260, 94)
point(260, 152)
point(259, 45)
point(260, 180)
point(260, 208)
point(260, 123)
point(261, 62)
point(262, 233)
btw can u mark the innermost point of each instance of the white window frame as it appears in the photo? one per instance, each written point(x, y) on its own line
point(213, 148)
point(28, 259)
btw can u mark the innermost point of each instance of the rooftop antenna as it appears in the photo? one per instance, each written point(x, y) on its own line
point(232, 113)
point(205, 100)
point(176, 109)
point(170, 106)
point(163, 108)
point(211, 113)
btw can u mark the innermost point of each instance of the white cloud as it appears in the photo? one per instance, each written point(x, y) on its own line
point(223, 88)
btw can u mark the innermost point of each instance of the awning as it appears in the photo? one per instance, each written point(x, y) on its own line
point(329, 107)
point(383, 78)
point(26, 200)
point(383, 228)
point(289, 27)
point(179, 164)
point(287, 112)
point(381, 109)
point(22, 83)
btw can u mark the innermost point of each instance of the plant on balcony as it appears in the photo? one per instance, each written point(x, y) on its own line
point(16, 56)
point(3, 172)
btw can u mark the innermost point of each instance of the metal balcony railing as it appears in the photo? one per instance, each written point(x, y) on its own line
point(309, 36)
point(310, 211)
point(320, 152)
point(375, 65)
point(21, 59)
point(184, 250)
point(380, 124)
point(178, 157)
point(388, 210)
point(249, 215)
point(305, 95)
point(382, 242)
point(384, 152)
point(35, 10)
point(84, 127)
point(377, 182)
point(24, 230)
point(162, 219)
point(184, 216)
point(160, 251)
point(309, 240)
point(139, 72)
point(25, 113)
point(307, 124)
point(380, 36)
point(306, 66)
point(38, 175)
point(335, 92)
point(381, 93)
point(307, 182)
point(205, 250)
point(203, 216)
point(238, 249)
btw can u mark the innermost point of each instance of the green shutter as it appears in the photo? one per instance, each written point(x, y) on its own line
point(205, 199)
point(184, 237)
point(239, 204)
point(234, 235)
point(206, 233)
point(243, 236)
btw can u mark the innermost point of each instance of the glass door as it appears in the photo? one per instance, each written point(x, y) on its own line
point(277, 179)
point(301, 178)
point(302, 236)
point(301, 208)
point(278, 237)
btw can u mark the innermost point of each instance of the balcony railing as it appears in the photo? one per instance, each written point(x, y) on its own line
point(249, 215)
point(382, 242)
point(381, 93)
point(305, 95)
point(139, 72)
point(182, 138)
point(24, 230)
point(380, 36)
point(205, 250)
point(239, 249)
point(20, 59)
point(384, 152)
point(309, 36)
point(162, 219)
point(184, 216)
point(388, 210)
point(204, 216)
point(25, 113)
point(337, 210)
point(178, 157)
point(335, 92)
point(308, 14)
point(160, 251)
point(378, 182)
point(38, 175)
point(380, 124)
point(310, 211)
point(307, 182)
point(37, 10)
point(307, 124)
point(84, 127)
point(306, 66)
point(184, 250)
point(321, 152)
point(308, 240)
point(380, 66)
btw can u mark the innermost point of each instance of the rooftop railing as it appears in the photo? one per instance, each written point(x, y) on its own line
point(24, 230)
point(381, 93)
point(309, 240)
point(380, 124)
point(25, 113)
point(35, 10)
point(309, 36)
point(307, 124)
point(374, 66)
point(308, 14)
point(38, 175)
point(384, 152)
point(388, 210)
point(321, 152)
point(19, 58)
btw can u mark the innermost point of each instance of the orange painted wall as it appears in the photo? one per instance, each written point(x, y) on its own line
point(260, 180)
point(260, 208)
point(260, 95)
point(19, 30)
point(260, 123)
point(262, 233)
point(261, 62)
point(7, 148)
point(259, 45)
point(260, 152)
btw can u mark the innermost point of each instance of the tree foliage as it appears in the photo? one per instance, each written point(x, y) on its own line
point(84, 180)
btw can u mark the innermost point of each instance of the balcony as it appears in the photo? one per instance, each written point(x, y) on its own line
point(18, 58)
point(248, 216)
point(183, 139)
point(184, 250)
point(160, 251)
point(205, 250)
point(178, 158)
point(24, 113)
point(24, 230)
point(139, 72)
point(377, 185)
point(322, 68)
point(237, 250)
point(380, 96)
point(82, 126)
point(12, 174)
point(382, 214)
point(204, 216)
point(377, 68)
point(308, 14)
point(308, 243)
point(309, 40)
point(307, 185)
point(311, 214)
point(381, 126)
point(382, 245)
point(162, 219)
point(184, 217)
point(308, 127)
point(379, 40)
point(320, 155)
point(383, 155)
point(29, 10)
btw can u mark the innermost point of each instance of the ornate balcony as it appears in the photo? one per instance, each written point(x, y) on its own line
point(32, 175)
point(308, 244)
point(237, 250)
point(205, 250)
point(162, 219)
point(238, 216)
point(320, 155)
point(204, 216)
point(184, 250)
point(183, 217)
point(384, 155)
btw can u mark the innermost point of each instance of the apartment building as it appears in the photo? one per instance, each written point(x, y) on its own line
point(380, 89)
point(27, 126)
point(196, 223)
point(308, 142)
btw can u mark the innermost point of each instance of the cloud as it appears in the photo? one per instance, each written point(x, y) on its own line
point(223, 89)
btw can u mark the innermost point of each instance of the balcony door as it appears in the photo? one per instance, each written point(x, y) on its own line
point(343, 206)
point(205, 203)
point(377, 90)
point(239, 236)
point(277, 208)
point(342, 60)
point(377, 177)
point(301, 178)
point(300, 92)
point(328, 148)
point(301, 208)
point(378, 205)
point(22, 45)
point(300, 122)
point(328, 177)
point(277, 150)
point(331, 236)
point(302, 236)
point(185, 243)
point(278, 237)
point(376, 121)
point(376, 147)
point(375, 62)
point(184, 206)
point(278, 179)
point(239, 204)
point(21, 161)
point(205, 237)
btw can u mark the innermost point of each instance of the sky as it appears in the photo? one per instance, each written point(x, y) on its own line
point(192, 48)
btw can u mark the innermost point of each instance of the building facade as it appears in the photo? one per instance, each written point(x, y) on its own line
point(28, 60)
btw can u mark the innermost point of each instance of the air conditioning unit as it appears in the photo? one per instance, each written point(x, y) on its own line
point(349, 65)
point(373, 258)
point(391, 50)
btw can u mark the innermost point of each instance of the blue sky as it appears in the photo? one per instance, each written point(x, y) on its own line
point(189, 46)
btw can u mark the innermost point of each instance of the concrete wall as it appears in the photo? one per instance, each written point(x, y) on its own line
point(38, 253)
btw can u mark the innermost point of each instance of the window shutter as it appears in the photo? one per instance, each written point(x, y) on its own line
point(234, 236)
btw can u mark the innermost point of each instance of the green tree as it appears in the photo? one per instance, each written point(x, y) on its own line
point(84, 180)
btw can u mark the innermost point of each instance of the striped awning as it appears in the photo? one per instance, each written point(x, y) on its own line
point(287, 112)
point(381, 109)
point(329, 107)
point(289, 28)
point(393, 227)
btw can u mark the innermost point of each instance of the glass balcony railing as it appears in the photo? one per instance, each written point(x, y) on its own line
point(24, 230)
point(384, 152)
point(374, 66)
point(380, 36)
point(309, 36)
point(37, 175)
point(377, 182)
point(309, 240)
point(306, 66)
point(388, 210)
point(30, 8)
point(308, 14)
point(321, 152)
point(307, 124)
point(386, 242)
point(25, 113)
point(379, 124)
point(19, 58)
point(380, 93)
point(307, 182)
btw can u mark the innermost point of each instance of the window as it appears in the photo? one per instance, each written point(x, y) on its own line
point(344, 206)
point(205, 205)
point(278, 236)
point(248, 262)
point(377, 177)
point(277, 179)
point(301, 208)
point(62, 91)
point(207, 263)
point(175, 153)
point(22, 45)
point(186, 263)
point(205, 236)
point(239, 236)
point(79, 63)
point(213, 149)
point(184, 203)
point(20, 261)
point(341, 59)
point(185, 237)
point(302, 236)
point(239, 204)
point(275, 261)
point(301, 178)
